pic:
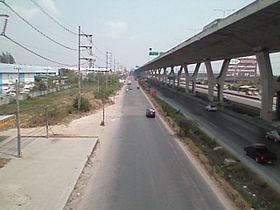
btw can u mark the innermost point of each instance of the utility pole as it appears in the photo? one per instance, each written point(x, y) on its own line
point(106, 79)
point(47, 76)
point(114, 64)
point(108, 60)
point(47, 121)
point(98, 82)
point(17, 116)
point(79, 68)
point(18, 122)
point(88, 48)
point(5, 24)
point(107, 68)
point(107, 53)
point(91, 53)
point(90, 59)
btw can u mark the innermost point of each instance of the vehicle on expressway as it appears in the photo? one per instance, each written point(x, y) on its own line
point(273, 135)
point(225, 99)
point(260, 153)
point(151, 112)
point(211, 108)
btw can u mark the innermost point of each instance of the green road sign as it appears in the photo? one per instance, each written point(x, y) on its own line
point(153, 53)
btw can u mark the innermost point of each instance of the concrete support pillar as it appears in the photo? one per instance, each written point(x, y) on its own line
point(151, 74)
point(159, 75)
point(168, 77)
point(187, 77)
point(221, 79)
point(267, 84)
point(154, 74)
point(194, 76)
point(172, 75)
point(179, 76)
point(164, 76)
point(211, 80)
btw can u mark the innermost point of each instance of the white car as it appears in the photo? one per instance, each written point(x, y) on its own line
point(273, 135)
point(211, 107)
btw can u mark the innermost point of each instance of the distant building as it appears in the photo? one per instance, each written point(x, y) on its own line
point(9, 73)
point(86, 71)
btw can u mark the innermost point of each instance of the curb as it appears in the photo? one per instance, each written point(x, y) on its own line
point(81, 172)
point(7, 140)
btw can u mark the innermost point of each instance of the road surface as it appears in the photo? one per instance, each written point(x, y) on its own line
point(141, 166)
point(230, 131)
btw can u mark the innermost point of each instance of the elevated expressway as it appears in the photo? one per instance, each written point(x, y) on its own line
point(253, 30)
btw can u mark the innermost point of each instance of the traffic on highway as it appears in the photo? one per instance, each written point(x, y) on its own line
point(231, 129)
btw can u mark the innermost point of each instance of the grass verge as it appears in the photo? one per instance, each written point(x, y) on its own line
point(60, 104)
point(245, 188)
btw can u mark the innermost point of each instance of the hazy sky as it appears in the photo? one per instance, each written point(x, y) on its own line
point(127, 28)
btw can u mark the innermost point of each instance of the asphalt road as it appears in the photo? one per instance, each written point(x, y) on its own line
point(141, 166)
point(232, 96)
point(232, 132)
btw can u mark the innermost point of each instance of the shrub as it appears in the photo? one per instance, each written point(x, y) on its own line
point(42, 86)
point(84, 105)
point(187, 127)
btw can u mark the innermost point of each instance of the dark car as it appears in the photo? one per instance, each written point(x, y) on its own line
point(150, 113)
point(260, 153)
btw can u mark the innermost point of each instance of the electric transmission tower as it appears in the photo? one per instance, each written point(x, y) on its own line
point(88, 58)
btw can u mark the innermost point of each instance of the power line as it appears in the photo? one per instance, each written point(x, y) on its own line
point(28, 23)
point(53, 19)
point(31, 51)
point(99, 58)
point(101, 51)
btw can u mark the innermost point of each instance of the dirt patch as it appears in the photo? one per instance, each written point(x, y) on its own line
point(96, 106)
point(4, 161)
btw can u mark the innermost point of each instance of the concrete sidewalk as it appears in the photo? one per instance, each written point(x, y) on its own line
point(46, 174)
point(49, 169)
